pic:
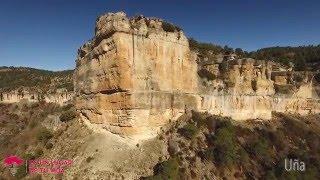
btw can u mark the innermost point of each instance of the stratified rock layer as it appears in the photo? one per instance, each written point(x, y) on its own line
point(60, 97)
point(132, 78)
point(137, 74)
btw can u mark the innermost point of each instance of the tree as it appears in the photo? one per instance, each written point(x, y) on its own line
point(228, 50)
point(300, 62)
point(239, 52)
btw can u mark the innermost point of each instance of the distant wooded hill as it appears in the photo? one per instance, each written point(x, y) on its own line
point(303, 57)
point(13, 78)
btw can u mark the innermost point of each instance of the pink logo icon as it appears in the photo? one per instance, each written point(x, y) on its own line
point(13, 161)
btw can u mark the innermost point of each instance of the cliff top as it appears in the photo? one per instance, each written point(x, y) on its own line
point(110, 22)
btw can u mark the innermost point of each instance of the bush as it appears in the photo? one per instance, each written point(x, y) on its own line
point(260, 149)
point(89, 159)
point(270, 175)
point(68, 115)
point(38, 153)
point(226, 146)
point(67, 107)
point(34, 105)
point(44, 135)
point(21, 172)
point(283, 89)
point(203, 73)
point(208, 154)
point(168, 27)
point(189, 131)
point(49, 146)
point(28, 156)
point(243, 157)
point(167, 169)
point(32, 124)
point(199, 119)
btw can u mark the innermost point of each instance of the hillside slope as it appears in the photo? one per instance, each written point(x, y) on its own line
point(14, 78)
point(203, 146)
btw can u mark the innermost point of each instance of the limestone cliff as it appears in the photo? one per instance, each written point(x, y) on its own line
point(61, 97)
point(137, 74)
point(134, 76)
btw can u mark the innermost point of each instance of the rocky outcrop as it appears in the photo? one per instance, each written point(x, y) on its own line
point(250, 77)
point(137, 74)
point(60, 97)
point(134, 76)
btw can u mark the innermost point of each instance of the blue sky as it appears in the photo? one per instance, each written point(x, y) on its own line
point(46, 34)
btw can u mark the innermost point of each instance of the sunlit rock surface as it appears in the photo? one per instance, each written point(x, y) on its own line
point(137, 74)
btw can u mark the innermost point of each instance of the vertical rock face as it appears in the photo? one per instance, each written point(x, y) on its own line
point(60, 97)
point(250, 77)
point(137, 74)
point(134, 76)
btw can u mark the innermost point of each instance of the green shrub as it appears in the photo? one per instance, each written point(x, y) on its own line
point(68, 115)
point(167, 170)
point(67, 107)
point(38, 153)
point(168, 27)
point(270, 175)
point(189, 131)
point(260, 148)
point(203, 73)
point(208, 154)
point(311, 173)
point(44, 135)
point(49, 146)
point(225, 146)
point(28, 156)
point(89, 159)
point(243, 157)
point(32, 124)
point(21, 172)
point(283, 89)
point(199, 118)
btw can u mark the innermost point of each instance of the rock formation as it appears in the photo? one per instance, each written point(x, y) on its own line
point(137, 74)
point(134, 76)
point(60, 97)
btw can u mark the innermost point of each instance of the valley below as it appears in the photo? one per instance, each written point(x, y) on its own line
point(196, 146)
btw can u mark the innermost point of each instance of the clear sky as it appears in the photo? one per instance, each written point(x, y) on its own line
point(47, 33)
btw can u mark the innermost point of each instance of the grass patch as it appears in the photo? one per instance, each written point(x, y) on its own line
point(44, 135)
point(68, 115)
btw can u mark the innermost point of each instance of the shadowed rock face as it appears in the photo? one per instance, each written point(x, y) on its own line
point(137, 74)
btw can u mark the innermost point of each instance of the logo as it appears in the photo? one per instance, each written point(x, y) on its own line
point(294, 165)
point(13, 162)
point(37, 166)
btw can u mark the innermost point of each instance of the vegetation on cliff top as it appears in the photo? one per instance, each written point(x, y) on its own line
point(303, 57)
point(13, 78)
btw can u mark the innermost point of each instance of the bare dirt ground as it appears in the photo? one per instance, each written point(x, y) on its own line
point(98, 154)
